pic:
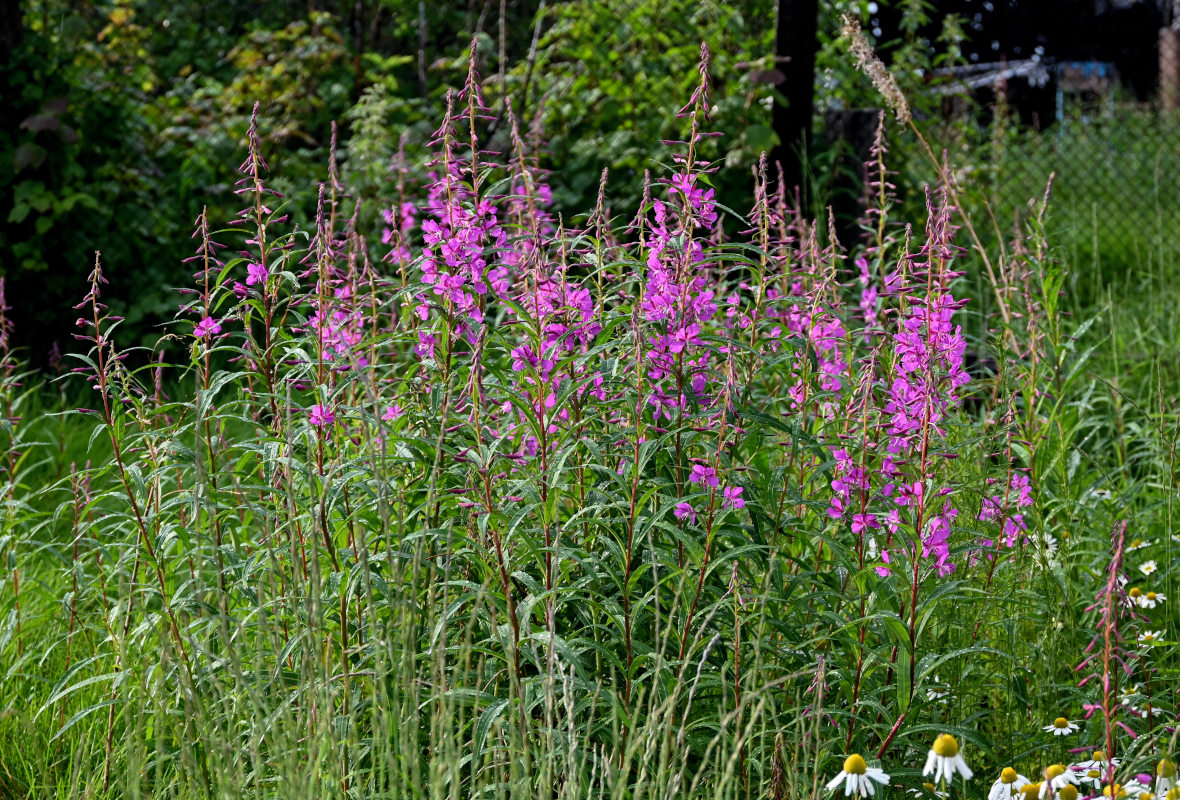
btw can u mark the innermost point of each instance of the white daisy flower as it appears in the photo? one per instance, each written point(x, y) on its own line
point(926, 791)
point(1165, 776)
point(1147, 710)
point(1150, 637)
point(1138, 544)
point(1007, 786)
point(1061, 727)
point(1045, 551)
point(1093, 770)
point(1057, 777)
point(857, 777)
point(1128, 694)
point(1131, 790)
point(945, 761)
point(938, 692)
point(1148, 567)
point(1142, 599)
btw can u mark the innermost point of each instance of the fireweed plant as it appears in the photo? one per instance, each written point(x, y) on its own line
point(483, 503)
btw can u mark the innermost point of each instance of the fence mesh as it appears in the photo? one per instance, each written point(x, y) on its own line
point(1113, 148)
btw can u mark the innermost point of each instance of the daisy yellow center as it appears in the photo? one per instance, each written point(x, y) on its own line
point(1147, 796)
point(1135, 592)
point(1054, 770)
point(1008, 775)
point(1093, 773)
point(1137, 543)
point(1068, 792)
point(1151, 596)
point(929, 786)
point(1149, 637)
point(1030, 790)
point(1173, 794)
point(946, 746)
point(1114, 791)
point(1166, 769)
point(855, 765)
point(1098, 755)
point(1061, 722)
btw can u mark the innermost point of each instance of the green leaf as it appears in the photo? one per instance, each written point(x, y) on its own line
point(486, 720)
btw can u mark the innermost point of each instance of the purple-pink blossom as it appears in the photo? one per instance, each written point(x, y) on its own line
point(321, 415)
point(207, 327)
point(255, 274)
point(704, 475)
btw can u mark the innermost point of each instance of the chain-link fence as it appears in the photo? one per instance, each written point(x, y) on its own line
point(1112, 146)
point(1115, 156)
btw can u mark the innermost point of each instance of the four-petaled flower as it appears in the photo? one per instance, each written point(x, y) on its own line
point(256, 273)
point(207, 327)
point(704, 475)
point(733, 497)
point(321, 415)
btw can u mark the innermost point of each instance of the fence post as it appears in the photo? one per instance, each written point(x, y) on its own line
point(1169, 69)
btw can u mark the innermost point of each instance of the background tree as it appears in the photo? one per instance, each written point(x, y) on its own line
point(795, 47)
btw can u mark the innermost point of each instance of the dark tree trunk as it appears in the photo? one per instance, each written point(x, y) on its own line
point(423, 87)
point(12, 29)
point(795, 46)
point(851, 133)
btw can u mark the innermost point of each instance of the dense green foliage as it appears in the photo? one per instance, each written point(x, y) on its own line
point(125, 120)
point(127, 116)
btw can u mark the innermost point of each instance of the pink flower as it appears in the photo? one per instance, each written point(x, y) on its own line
point(256, 273)
point(863, 521)
point(836, 507)
point(909, 493)
point(704, 475)
point(682, 182)
point(207, 327)
point(1021, 484)
point(321, 415)
point(685, 510)
point(733, 497)
point(392, 412)
point(425, 346)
